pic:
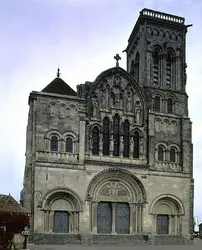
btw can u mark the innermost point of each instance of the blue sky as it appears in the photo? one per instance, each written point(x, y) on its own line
point(82, 36)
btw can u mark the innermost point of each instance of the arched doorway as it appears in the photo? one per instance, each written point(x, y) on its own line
point(117, 198)
point(61, 208)
point(167, 212)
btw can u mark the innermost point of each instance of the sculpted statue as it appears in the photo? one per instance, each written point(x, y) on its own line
point(95, 107)
point(129, 102)
point(131, 145)
point(137, 112)
point(104, 96)
point(121, 145)
point(91, 142)
point(111, 148)
point(141, 146)
point(101, 142)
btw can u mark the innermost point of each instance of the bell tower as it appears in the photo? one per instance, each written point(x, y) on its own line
point(156, 51)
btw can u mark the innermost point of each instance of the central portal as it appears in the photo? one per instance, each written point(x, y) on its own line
point(107, 217)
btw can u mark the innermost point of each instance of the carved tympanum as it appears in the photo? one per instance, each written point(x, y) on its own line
point(113, 188)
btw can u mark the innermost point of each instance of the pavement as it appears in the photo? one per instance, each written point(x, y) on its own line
point(197, 246)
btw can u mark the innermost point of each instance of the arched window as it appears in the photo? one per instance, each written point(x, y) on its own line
point(126, 139)
point(137, 66)
point(168, 69)
point(132, 68)
point(69, 145)
point(54, 143)
point(157, 106)
point(96, 140)
point(170, 105)
point(136, 144)
point(106, 136)
point(160, 154)
point(172, 155)
point(156, 67)
point(116, 124)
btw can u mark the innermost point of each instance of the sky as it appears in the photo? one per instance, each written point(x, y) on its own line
point(82, 37)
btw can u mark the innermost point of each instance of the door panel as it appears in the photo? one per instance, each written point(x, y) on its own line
point(162, 224)
point(104, 218)
point(122, 221)
point(61, 222)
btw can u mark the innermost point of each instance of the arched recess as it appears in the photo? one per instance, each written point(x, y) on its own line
point(167, 211)
point(127, 181)
point(114, 197)
point(61, 207)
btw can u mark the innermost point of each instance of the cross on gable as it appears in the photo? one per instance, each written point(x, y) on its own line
point(117, 58)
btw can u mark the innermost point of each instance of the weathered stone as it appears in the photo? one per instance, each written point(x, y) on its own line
point(144, 110)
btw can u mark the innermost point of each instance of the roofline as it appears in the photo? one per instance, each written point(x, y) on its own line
point(157, 17)
point(34, 94)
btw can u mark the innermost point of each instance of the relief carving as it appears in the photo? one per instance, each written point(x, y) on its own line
point(95, 107)
point(113, 188)
point(141, 146)
point(111, 146)
point(131, 145)
point(104, 94)
point(137, 112)
point(129, 102)
point(121, 145)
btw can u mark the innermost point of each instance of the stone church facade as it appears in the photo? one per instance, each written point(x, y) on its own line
point(115, 158)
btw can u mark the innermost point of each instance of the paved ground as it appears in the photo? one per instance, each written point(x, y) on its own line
point(196, 246)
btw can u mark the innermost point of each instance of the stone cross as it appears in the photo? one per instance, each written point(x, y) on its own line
point(58, 72)
point(117, 58)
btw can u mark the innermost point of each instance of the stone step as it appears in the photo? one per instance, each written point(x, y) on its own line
point(56, 239)
point(171, 240)
point(120, 239)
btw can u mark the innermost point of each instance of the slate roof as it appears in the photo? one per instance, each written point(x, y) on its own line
point(9, 205)
point(58, 86)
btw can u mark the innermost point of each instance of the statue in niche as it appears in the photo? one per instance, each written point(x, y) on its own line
point(116, 97)
point(95, 107)
point(121, 145)
point(104, 95)
point(137, 112)
point(91, 142)
point(129, 102)
point(101, 142)
point(141, 146)
point(111, 147)
point(117, 81)
point(131, 145)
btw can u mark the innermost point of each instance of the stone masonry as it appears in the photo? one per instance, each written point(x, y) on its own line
point(113, 160)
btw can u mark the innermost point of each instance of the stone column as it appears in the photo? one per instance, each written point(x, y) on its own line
point(136, 218)
point(46, 213)
point(176, 224)
point(70, 222)
point(51, 216)
point(170, 224)
point(94, 217)
point(82, 128)
point(76, 222)
point(132, 217)
point(113, 218)
point(140, 218)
